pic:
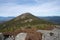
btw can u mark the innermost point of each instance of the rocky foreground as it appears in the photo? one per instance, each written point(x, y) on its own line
point(25, 34)
point(30, 34)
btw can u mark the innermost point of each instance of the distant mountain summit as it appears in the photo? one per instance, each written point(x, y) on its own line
point(26, 20)
point(54, 19)
point(25, 16)
point(5, 19)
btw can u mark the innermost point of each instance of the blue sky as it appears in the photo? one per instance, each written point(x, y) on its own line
point(35, 7)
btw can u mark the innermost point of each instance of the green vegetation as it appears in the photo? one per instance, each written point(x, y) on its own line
point(26, 20)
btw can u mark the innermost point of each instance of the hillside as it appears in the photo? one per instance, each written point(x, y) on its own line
point(4, 19)
point(26, 20)
point(54, 19)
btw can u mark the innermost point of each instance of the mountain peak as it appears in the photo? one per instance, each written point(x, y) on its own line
point(27, 13)
point(24, 16)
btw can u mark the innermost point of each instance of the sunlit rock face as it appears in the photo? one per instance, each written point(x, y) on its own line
point(1, 36)
point(21, 36)
point(50, 34)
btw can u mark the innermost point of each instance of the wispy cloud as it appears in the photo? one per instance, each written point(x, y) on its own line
point(36, 7)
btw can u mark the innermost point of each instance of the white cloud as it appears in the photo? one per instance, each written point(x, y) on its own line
point(45, 9)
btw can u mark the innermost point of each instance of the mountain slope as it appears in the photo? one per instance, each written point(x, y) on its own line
point(54, 19)
point(4, 19)
point(25, 20)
